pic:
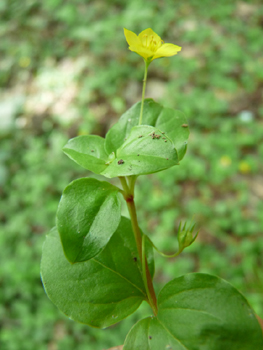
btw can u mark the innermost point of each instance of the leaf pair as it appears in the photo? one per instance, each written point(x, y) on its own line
point(129, 149)
point(198, 312)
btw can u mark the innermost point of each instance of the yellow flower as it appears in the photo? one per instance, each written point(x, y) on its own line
point(244, 167)
point(149, 45)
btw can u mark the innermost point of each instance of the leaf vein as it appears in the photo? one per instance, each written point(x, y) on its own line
point(172, 335)
point(202, 311)
point(114, 302)
point(182, 291)
point(117, 273)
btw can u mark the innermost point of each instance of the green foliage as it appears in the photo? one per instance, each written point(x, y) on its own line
point(89, 213)
point(193, 315)
point(145, 151)
point(111, 277)
point(171, 123)
point(88, 151)
point(131, 149)
point(216, 80)
point(101, 291)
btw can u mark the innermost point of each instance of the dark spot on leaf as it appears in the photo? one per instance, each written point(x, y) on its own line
point(120, 161)
point(155, 136)
point(163, 132)
point(137, 154)
point(185, 125)
point(167, 158)
point(135, 259)
point(92, 150)
point(140, 136)
point(165, 140)
point(150, 337)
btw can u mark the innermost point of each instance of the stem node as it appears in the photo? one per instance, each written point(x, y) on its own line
point(129, 199)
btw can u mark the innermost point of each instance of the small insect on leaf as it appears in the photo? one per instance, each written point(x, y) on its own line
point(135, 259)
point(140, 136)
point(150, 337)
point(185, 125)
point(121, 161)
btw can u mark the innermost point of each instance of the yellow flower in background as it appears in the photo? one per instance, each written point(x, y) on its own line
point(244, 167)
point(149, 45)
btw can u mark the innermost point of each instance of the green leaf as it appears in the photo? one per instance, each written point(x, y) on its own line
point(89, 213)
point(198, 312)
point(174, 124)
point(145, 151)
point(117, 155)
point(88, 151)
point(170, 121)
point(121, 130)
point(99, 292)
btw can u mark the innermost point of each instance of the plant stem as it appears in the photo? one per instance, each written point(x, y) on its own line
point(129, 197)
point(132, 179)
point(146, 275)
point(143, 89)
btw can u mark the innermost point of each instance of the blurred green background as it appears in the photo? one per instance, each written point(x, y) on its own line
point(65, 70)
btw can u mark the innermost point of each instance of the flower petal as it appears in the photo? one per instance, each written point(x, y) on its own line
point(132, 38)
point(142, 51)
point(148, 33)
point(167, 50)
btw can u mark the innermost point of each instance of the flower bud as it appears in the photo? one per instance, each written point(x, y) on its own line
point(185, 236)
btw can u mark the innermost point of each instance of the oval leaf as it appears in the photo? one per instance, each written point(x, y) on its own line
point(99, 292)
point(170, 121)
point(145, 151)
point(198, 311)
point(117, 135)
point(174, 124)
point(89, 213)
point(88, 151)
